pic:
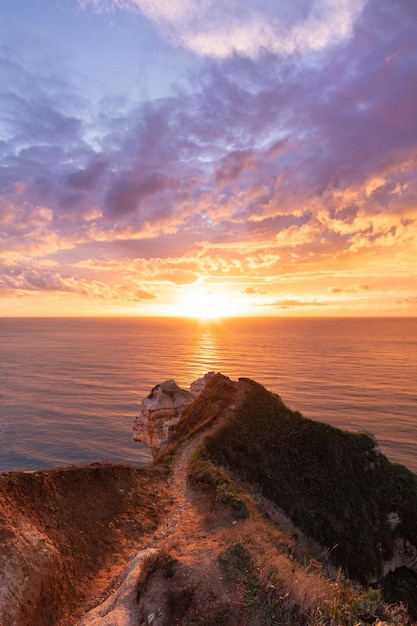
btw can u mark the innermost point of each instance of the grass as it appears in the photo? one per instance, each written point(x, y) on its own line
point(238, 565)
point(333, 484)
point(277, 590)
point(337, 489)
point(205, 474)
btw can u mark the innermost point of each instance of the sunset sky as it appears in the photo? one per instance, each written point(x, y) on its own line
point(245, 157)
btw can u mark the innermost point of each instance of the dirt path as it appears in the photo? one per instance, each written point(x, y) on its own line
point(178, 484)
point(183, 527)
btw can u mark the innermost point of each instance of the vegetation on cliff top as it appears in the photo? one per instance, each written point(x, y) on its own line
point(334, 485)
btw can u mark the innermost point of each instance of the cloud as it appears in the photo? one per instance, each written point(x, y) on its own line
point(254, 166)
point(277, 223)
point(107, 6)
point(18, 277)
point(293, 304)
point(126, 194)
point(248, 27)
point(350, 289)
point(245, 27)
point(252, 148)
point(86, 178)
point(139, 294)
point(250, 291)
point(232, 166)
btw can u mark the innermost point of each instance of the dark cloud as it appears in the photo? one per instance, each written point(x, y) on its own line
point(127, 193)
point(278, 222)
point(87, 177)
point(345, 213)
point(232, 166)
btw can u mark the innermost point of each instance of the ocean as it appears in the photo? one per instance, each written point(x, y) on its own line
point(71, 388)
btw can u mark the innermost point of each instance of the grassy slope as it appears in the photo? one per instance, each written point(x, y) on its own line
point(331, 483)
point(275, 576)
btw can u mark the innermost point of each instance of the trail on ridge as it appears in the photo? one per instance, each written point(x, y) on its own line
point(184, 530)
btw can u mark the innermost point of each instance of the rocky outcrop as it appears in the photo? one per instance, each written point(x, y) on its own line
point(162, 410)
point(158, 413)
point(198, 386)
point(404, 555)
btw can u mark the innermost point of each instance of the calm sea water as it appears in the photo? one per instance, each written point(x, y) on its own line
point(70, 388)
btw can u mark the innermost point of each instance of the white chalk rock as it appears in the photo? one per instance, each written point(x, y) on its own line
point(160, 411)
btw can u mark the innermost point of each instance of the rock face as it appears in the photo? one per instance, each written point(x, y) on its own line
point(162, 410)
point(198, 386)
point(158, 413)
point(28, 550)
point(120, 608)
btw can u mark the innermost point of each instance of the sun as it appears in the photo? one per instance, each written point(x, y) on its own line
point(207, 304)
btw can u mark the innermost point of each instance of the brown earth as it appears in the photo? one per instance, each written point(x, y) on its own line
point(198, 550)
point(65, 532)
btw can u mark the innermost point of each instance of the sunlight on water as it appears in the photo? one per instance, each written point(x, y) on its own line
point(206, 354)
point(70, 389)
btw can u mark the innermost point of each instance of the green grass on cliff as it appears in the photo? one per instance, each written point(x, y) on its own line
point(205, 474)
point(334, 485)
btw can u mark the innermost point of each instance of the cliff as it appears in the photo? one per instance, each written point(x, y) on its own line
point(250, 514)
point(161, 411)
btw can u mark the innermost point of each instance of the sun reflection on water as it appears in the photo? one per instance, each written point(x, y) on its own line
point(207, 351)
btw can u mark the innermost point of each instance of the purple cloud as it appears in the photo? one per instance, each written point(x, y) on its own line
point(299, 156)
point(20, 278)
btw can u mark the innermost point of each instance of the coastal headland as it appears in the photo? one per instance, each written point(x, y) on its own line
point(249, 514)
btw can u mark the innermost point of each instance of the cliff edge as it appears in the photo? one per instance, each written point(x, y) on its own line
point(250, 514)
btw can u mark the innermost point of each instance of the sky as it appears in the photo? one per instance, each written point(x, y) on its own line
point(206, 158)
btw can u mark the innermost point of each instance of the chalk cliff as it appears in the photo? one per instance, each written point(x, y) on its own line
point(161, 410)
point(243, 518)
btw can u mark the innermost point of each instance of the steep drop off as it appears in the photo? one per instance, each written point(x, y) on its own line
point(252, 514)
